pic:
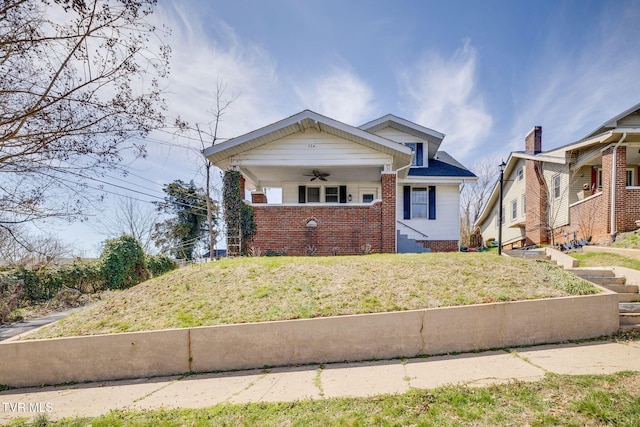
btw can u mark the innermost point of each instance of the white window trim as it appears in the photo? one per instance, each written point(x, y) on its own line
point(553, 183)
point(337, 195)
point(319, 193)
point(524, 205)
point(633, 176)
point(426, 204)
point(514, 215)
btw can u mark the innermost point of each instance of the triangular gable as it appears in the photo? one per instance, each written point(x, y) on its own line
point(628, 118)
point(432, 137)
point(220, 153)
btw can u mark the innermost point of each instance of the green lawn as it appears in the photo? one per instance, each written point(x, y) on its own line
point(278, 288)
point(593, 400)
point(603, 259)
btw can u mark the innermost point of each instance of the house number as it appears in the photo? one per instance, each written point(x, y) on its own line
point(311, 146)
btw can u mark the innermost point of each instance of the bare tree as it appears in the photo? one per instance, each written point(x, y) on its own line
point(208, 136)
point(19, 247)
point(553, 204)
point(80, 82)
point(475, 195)
point(131, 217)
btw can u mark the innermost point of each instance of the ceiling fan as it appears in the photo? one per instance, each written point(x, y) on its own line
point(322, 176)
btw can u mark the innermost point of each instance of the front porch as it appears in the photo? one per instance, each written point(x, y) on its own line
point(342, 226)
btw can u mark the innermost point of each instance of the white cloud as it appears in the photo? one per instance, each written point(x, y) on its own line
point(440, 93)
point(199, 60)
point(570, 95)
point(341, 95)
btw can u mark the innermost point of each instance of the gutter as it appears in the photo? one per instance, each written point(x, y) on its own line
point(612, 223)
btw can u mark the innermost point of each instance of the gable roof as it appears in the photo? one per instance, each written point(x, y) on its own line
point(298, 123)
point(613, 122)
point(434, 138)
point(443, 165)
point(609, 132)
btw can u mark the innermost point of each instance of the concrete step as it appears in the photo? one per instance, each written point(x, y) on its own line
point(592, 272)
point(629, 307)
point(530, 254)
point(621, 289)
point(408, 245)
point(607, 281)
point(624, 328)
point(630, 319)
point(630, 297)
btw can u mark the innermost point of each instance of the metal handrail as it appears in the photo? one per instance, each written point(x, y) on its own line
point(411, 228)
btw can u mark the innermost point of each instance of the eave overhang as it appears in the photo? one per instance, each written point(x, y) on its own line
point(221, 154)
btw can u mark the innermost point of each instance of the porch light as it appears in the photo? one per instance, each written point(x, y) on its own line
point(502, 165)
point(349, 198)
point(312, 223)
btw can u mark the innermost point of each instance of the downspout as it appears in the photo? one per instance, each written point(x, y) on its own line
point(612, 222)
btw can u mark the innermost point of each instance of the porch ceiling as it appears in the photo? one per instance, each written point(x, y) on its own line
point(269, 176)
point(633, 154)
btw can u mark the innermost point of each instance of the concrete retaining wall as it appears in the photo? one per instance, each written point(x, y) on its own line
point(321, 340)
point(563, 260)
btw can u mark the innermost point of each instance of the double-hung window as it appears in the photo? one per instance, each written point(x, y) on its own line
point(556, 187)
point(313, 194)
point(419, 202)
point(331, 194)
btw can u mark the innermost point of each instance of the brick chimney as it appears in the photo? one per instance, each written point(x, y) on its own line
point(533, 140)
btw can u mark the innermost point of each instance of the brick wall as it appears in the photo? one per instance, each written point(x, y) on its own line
point(536, 207)
point(388, 181)
point(440, 245)
point(633, 209)
point(258, 197)
point(588, 218)
point(348, 229)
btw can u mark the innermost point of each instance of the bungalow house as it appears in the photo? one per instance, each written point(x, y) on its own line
point(586, 189)
point(381, 187)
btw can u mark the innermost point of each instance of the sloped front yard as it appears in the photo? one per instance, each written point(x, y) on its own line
point(281, 288)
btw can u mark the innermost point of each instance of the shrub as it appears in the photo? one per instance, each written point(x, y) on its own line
point(10, 297)
point(123, 263)
point(160, 264)
point(44, 283)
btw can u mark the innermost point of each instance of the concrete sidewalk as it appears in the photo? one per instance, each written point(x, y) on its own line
point(314, 382)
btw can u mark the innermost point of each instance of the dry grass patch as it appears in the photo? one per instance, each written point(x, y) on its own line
point(279, 288)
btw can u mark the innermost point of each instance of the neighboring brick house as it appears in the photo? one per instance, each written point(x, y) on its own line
point(588, 188)
point(380, 187)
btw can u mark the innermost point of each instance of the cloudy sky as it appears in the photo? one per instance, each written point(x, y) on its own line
point(483, 73)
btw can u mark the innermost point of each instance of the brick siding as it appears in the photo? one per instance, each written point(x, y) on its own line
point(346, 229)
point(536, 207)
point(440, 245)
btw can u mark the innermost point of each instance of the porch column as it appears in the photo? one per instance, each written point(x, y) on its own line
point(258, 197)
point(620, 217)
point(388, 229)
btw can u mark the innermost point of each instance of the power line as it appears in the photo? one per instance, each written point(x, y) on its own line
point(124, 188)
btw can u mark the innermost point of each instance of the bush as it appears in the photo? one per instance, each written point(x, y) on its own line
point(44, 283)
point(10, 297)
point(160, 264)
point(123, 263)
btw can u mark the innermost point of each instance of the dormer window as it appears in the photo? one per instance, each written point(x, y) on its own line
point(418, 153)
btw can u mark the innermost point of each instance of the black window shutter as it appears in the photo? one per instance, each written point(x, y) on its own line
point(419, 154)
point(343, 194)
point(432, 202)
point(302, 194)
point(407, 201)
